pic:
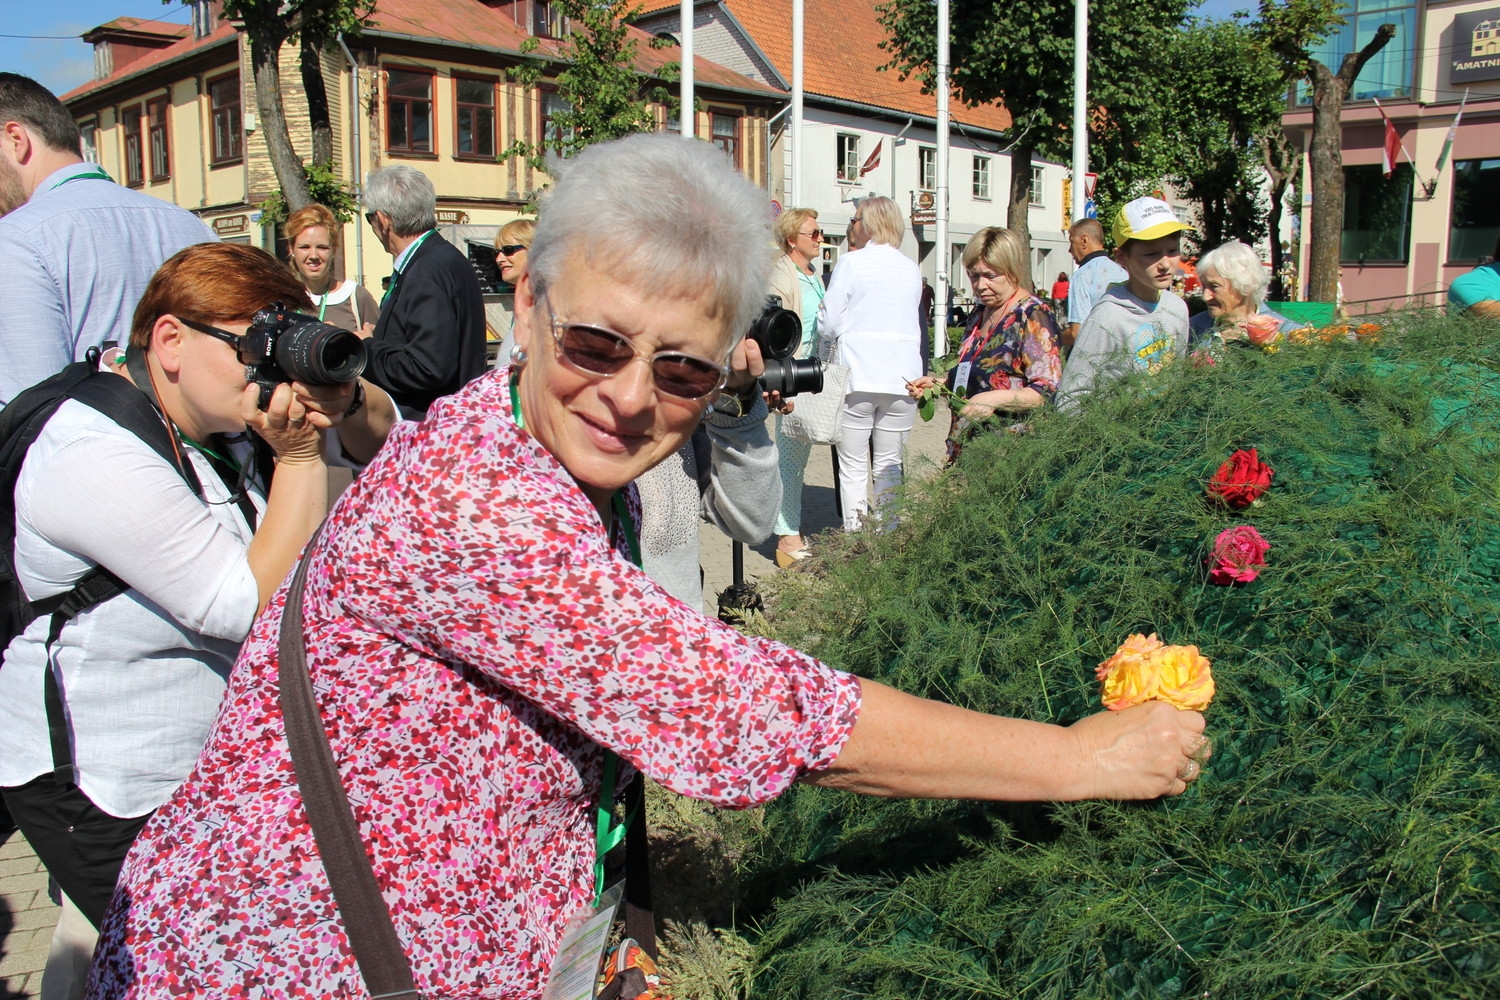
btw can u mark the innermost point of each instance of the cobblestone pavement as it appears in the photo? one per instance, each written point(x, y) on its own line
point(27, 917)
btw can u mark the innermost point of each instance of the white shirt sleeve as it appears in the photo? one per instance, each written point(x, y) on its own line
point(108, 499)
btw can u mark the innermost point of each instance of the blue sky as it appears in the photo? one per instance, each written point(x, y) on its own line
point(63, 63)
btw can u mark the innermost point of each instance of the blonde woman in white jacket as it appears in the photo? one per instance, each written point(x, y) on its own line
point(872, 311)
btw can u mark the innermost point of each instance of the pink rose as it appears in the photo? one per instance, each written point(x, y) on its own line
point(1236, 554)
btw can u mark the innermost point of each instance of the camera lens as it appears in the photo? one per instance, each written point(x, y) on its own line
point(791, 376)
point(320, 354)
point(776, 331)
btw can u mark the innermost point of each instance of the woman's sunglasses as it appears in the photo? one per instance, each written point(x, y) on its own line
point(595, 350)
point(511, 249)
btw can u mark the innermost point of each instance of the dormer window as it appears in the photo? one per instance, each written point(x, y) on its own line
point(203, 15)
point(104, 63)
point(548, 19)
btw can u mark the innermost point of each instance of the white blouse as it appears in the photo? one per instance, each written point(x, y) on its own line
point(141, 674)
point(871, 310)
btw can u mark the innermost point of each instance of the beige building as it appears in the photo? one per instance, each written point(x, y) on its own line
point(171, 111)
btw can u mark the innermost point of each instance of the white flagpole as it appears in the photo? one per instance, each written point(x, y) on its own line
point(940, 314)
point(1080, 106)
point(689, 117)
point(796, 187)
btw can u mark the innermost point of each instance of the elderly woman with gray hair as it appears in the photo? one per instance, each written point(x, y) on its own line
point(1234, 288)
point(487, 657)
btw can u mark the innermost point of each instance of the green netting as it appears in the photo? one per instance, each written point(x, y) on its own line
point(1344, 840)
point(1315, 313)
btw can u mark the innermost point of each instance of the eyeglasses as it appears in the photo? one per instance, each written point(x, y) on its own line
point(595, 350)
point(511, 249)
point(855, 219)
point(234, 340)
point(370, 217)
point(816, 234)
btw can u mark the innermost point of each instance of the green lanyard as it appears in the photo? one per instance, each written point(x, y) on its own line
point(409, 252)
point(607, 833)
point(97, 174)
point(322, 305)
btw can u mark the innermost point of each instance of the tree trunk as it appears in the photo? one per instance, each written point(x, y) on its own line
point(1018, 213)
point(265, 61)
point(1281, 162)
point(1327, 161)
point(317, 99)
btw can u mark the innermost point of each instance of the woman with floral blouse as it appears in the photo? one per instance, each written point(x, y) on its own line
point(479, 639)
point(1010, 360)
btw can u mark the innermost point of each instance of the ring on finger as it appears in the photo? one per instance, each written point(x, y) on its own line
point(1201, 749)
point(1190, 770)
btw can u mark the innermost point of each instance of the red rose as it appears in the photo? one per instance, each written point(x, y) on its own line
point(1236, 553)
point(1241, 480)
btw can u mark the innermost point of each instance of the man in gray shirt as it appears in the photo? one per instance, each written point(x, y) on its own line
point(1140, 325)
point(76, 249)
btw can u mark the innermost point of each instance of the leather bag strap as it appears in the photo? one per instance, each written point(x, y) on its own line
point(367, 919)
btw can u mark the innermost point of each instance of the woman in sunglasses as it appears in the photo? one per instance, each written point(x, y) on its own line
point(795, 281)
point(483, 650)
point(200, 539)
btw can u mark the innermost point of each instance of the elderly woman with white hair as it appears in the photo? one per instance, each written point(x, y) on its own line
point(1234, 288)
point(485, 653)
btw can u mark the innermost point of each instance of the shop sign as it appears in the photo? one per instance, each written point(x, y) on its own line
point(1476, 47)
point(230, 225)
point(452, 217)
point(924, 210)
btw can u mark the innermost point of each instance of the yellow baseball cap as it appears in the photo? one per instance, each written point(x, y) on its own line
point(1146, 219)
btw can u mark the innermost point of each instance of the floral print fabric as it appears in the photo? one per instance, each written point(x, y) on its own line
point(474, 639)
point(1016, 349)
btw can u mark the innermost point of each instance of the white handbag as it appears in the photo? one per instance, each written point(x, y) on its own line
point(818, 417)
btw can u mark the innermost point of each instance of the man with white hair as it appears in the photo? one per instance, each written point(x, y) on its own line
point(429, 340)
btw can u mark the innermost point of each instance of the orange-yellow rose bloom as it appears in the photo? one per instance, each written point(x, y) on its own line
point(1146, 669)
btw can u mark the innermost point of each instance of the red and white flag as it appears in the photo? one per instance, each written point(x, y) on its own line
point(873, 160)
point(1392, 149)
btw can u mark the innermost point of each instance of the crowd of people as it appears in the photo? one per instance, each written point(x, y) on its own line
point(501, 620)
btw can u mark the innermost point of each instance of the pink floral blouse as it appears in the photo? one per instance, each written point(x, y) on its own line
point(474, 639)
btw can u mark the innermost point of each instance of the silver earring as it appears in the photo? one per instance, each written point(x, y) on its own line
point(518, 356)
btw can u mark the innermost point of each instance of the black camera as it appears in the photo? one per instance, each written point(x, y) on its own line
point(778, 334)
point(285, 346)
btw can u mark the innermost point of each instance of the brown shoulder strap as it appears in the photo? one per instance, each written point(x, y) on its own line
point(367, 920)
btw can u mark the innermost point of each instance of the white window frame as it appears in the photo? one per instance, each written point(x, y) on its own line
point(981, 178)
point(846, 153)
point(927, 168)
point(1038, 187)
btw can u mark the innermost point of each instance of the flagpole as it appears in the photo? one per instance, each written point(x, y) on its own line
point(688, 117)
point(940, 333)
point(797, 41)
point(1080, 106)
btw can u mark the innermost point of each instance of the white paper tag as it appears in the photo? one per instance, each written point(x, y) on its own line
point(961, 378)
point(575, 971)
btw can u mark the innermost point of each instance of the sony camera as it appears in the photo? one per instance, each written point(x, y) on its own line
point(286, 346)
point(778, 334)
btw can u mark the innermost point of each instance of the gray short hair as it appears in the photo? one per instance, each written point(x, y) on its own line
point(882, 219)
point(1241, 267)
point(671, 213)
point(406, 196)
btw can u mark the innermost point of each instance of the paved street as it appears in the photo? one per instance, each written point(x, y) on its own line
point(27, 917)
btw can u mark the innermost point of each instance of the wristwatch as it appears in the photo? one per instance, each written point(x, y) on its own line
point(359, 399)
point(737, 405)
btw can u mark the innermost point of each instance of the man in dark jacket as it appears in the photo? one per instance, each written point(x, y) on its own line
point(429, 340)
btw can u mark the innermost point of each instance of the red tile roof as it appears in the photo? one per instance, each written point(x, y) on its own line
point(842, 56)
point(184, 46)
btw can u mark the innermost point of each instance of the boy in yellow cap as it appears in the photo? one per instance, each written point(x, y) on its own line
point(1140, 324)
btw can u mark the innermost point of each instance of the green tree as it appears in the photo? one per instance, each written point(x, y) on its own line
point(269, 24)
point(1291, 29)
point(1022, 54)
point(596, 73)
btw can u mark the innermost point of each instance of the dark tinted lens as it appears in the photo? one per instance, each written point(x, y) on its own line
point(511, 249)
point(595, 350)
point(680, 375)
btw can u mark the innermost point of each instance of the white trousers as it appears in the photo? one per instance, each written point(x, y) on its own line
point(68, 958)
point(875, 424)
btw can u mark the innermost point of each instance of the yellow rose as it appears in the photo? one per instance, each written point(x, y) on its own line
point(1146, 669)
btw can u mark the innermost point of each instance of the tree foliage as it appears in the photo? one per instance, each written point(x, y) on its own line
point(1022, 54)
point(608, 96)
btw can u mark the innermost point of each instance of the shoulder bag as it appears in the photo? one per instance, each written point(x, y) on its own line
point(818, 417)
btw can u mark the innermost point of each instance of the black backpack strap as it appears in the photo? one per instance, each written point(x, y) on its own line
point(367, 920)
point(97, 586)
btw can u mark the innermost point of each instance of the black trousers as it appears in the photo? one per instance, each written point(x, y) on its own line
point(82, 846)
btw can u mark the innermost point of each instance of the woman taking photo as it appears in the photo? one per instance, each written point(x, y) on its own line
point(312, 236)
point(871, 315)
point(481, 645)
point(796, 283)
point(140, 675)
point(1010, 361)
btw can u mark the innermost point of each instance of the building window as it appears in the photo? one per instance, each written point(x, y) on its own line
point(547, 20)
point(848, 158)
point(203, 18)
point(553, 134)
point(135, 170)
point(1476, 211)
point(1377, 215)
point(927, 168)
point(224, 101)
point(475, 100)
point(156, 116)
point(982, 178)
point(1389, 71)
point(726, 135)
point(90, 133)
point(408, 111)
point(1038, 182)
